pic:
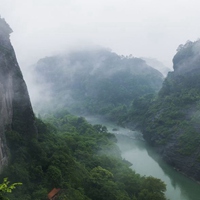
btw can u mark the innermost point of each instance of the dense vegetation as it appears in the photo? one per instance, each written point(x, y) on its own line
point(95, 81)
point(81, 159)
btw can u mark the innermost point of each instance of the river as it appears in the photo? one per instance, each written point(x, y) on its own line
point(146, 161)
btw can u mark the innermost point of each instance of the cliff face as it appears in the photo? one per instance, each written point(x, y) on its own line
point(172, 121)
point(15, 108)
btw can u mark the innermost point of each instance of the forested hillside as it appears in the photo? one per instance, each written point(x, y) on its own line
point(81, 159)
point(170, 121)
point(96, 81)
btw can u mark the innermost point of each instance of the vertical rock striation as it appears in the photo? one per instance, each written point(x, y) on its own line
point(15, 108)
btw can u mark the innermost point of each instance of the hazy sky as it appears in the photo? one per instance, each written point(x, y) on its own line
point(143, 28)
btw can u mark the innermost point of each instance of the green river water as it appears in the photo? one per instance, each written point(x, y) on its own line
point(146, 161)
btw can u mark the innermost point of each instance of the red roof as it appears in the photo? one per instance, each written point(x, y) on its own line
point(53, 192)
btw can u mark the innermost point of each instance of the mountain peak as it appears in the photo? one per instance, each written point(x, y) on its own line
point(187, 58)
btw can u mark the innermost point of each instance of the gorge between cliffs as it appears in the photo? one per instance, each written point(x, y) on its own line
point(89, 161)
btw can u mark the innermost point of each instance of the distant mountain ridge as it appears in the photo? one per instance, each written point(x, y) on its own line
point(97, 80)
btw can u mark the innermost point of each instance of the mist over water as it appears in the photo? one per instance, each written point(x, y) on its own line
point(147, 162)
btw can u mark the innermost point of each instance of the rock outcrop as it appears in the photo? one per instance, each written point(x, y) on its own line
point(16, 112)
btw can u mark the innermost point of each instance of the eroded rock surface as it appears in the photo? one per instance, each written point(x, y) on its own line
point(15, 108)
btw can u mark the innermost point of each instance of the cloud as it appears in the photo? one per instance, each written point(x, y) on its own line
point(147, 28)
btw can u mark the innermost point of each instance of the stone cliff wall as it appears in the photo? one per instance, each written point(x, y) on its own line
point(15, 108)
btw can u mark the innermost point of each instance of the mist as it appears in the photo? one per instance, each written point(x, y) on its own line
point(141, 28)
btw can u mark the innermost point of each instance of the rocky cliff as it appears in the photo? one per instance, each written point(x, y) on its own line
point(171, 121)
point(16, 113)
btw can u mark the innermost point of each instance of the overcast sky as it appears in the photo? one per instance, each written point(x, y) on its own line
point(143, 28)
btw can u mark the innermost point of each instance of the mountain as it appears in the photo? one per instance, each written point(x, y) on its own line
point(15, 107)
point(171, 121)
point(96, 81)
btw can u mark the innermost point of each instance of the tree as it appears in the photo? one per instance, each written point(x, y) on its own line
point(153, 189)
point(54, 176)
point(5, 188)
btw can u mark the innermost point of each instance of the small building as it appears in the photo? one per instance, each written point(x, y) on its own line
point(53, 194)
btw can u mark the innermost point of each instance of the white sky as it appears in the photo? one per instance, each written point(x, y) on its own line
point(143, 28)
